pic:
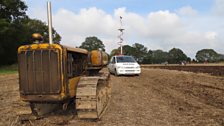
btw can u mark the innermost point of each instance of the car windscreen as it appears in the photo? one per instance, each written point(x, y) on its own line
point(123, 59)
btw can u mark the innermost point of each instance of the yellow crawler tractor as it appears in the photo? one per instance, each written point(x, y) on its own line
point(53, 74)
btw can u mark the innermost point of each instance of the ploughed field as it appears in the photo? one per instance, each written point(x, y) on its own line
point(156, 97)
point(213, 69)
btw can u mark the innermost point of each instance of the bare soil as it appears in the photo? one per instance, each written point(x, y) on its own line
point(213, 69)
point(156, 97)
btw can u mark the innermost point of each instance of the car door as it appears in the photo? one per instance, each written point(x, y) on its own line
point(111, 65)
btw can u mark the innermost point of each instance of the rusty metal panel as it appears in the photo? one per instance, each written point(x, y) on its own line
point(39, 72)
point(22, 71)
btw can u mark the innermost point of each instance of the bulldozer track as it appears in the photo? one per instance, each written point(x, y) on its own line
point(93, 94)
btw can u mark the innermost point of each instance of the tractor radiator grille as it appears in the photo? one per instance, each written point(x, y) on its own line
point(39, 72)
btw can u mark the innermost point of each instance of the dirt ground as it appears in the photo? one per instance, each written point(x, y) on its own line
point(156, 97)
point(213, 69)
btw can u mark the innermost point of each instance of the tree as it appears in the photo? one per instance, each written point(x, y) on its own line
point(12, 12)
point(114, 52)
point(159, 56)
point(139, 52)
point(207, 55)
point(16, 29)
point(148, 59)
point(92, 43)
point(144, 56)
point(221, 57)
point(177, 55)
point(127, 50)
point(36, 26)
point(188, 59)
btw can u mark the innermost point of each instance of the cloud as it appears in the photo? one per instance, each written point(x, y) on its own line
point(75, 27)
point(134, 24)
point(163, 24)
point(187, 11)
point(218, 8)
point(39, 12)
point(160, 29)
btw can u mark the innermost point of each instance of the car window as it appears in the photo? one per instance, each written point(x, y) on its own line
point(122, 59)
point(113, 60)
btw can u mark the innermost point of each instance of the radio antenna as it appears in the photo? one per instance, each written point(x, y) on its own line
point(121, 30)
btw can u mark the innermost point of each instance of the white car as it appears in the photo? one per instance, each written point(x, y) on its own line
point(124, 65)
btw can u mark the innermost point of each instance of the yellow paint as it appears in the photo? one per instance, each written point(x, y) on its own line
point(79, 50)
point(60, 58)
point(62, 55)
point(21, 48)
point(105, 58)
point(62, 74)
point(96, 58)
point(99, 58)
point(39, 46)
point(73, 82)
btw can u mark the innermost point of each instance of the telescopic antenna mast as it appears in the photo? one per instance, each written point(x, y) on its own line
point(121, 30)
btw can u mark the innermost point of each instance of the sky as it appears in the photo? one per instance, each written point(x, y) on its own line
point(190, 25)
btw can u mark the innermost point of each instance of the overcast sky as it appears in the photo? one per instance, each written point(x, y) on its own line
point(190, 25)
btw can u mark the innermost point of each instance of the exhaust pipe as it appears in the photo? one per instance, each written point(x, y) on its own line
point(49, 16)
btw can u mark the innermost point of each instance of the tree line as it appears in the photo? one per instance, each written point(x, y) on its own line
point(145, 56)
point(16, 29)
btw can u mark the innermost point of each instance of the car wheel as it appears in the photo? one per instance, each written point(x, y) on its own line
point(115, 73)
point(109, 71)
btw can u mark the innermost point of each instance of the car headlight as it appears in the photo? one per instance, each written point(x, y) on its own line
point(119, 67)
point(138, 67)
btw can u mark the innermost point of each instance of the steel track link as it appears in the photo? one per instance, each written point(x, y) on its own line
point(93, 94)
